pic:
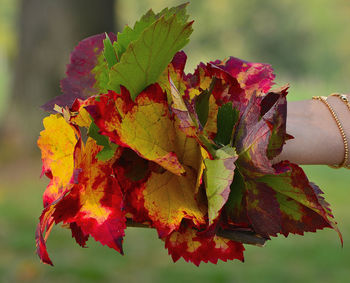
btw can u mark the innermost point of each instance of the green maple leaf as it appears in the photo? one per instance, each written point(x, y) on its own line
point(129, 34)
point(150, 49)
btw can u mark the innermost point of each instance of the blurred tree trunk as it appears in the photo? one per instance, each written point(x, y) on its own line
point(48, 32)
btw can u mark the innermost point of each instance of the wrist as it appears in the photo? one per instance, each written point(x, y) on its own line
point(317, 139)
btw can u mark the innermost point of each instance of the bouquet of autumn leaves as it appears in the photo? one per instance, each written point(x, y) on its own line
point(135, 141)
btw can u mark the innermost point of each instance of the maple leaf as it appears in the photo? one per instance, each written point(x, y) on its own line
point(57, 144)
point(131, 34)
point(87, 73)
point(218, 176)
point(300, 203)
point(85, 194)
point(169, 198)
point(196, 247)
point(144, 125)
point(259, 138)
point(146, 57)
point(280, 203)
point(95, 202)
point(252, 77)
point(60, 143)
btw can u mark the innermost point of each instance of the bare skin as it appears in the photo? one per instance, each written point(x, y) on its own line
point(317, 139)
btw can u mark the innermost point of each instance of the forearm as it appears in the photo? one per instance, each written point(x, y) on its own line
point(317, 139)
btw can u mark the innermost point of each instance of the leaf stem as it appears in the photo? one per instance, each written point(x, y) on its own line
point(244, 237)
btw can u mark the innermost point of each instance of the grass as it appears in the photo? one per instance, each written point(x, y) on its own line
point(314, 257)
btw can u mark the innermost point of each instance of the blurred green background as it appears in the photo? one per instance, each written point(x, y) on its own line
point(308, 45)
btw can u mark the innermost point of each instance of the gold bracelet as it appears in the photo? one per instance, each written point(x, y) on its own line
point(335, 116)
point(343, 98)
point(346, 101)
